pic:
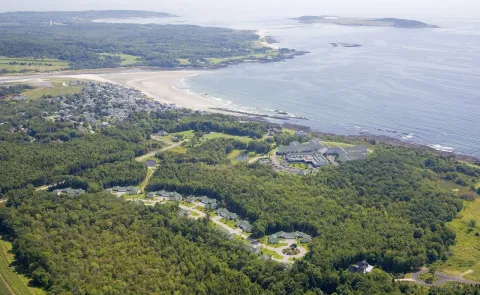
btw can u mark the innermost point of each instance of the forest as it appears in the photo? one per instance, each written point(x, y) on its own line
point(13, 90)
point(88, 44)
point(388, 209)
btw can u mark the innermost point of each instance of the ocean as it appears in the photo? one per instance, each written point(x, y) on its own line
point(417, 85)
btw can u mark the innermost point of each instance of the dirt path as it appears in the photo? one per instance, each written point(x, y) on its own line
point(442, 279)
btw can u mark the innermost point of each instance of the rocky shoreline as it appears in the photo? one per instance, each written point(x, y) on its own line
point(386, 140)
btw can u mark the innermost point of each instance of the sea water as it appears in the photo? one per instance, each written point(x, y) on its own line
point(419, 85)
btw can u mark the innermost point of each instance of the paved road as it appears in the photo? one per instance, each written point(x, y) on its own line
point(153, 153)
point(442, 279)
point(239, 232)
point(279, 167)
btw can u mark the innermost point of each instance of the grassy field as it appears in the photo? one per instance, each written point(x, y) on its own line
point(126, 59)
point(133, 197)
point(178, 149)
point(279, 245)
point(453, 187)
point(146, 180)
point(20, 65)
point(234, 155)
point(12, 283)
point(184, 61)
point(38, 92)
point(270, 252)
point(466, 252)
point(337, 144)
point(230, 223)
point(213, 135)
point(271, 54)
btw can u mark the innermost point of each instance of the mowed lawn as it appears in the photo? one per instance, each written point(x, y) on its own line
point(466, 253)
point(19, 65)
point(126, 59)
point(213, 135)
point(54, 91)
point(12, 283)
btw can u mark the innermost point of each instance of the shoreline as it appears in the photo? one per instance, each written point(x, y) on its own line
point(387, 140)
point(263, 40)
point(160, 85)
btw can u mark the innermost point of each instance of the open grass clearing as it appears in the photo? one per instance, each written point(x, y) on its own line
point(466, 252)
point(146, 180)
point(126, 59)
point(184, 61)
point(178, 149)
point(230, 223)
point(54, 91)
point(451, 186)
point(279, 245)
point(213, 135)
point(133, 197)
point(337, 144)
point(270, 54)
point(12, 282)
point(272, 253)
point(25, 65)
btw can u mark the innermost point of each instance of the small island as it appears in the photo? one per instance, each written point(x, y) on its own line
point(370, 22)
point(346, 45)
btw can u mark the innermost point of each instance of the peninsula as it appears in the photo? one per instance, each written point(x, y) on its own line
point(370, 22)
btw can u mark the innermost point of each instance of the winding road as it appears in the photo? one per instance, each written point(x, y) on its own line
point(239, 232)
point(442, 279)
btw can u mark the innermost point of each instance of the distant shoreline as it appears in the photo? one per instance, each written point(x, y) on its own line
point(159, 85)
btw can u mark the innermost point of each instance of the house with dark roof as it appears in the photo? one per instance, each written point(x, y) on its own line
point(361, 267)
point(273, 239)
point(253, 249)
point(224, 213)
point(304, 238)
point(69, 191)
point(191, 199)
point(244, 225)
point(151, 195)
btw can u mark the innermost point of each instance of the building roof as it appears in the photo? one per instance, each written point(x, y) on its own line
point(295, 147)
point(244, 225)
point(346, 154)
point(361, 267)
point(273, 239)
point(226, 214)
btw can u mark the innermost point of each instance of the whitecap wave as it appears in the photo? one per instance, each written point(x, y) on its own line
point(442, 148)
point(408, 136)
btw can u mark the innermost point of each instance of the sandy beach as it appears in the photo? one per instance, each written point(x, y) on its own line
point(263, 40)
point(156, 84)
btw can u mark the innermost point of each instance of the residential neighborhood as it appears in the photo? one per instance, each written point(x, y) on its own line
point(100, 104)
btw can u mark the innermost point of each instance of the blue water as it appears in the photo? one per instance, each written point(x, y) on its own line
point(421, 85)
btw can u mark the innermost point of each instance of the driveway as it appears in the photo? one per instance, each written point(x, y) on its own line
point(239, 232)
point(442, 279)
